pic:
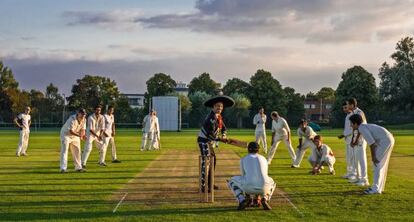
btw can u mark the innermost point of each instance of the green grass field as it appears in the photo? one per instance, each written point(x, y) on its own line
point(31, 188)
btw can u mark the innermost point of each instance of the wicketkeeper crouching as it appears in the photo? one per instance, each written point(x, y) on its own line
point(254, 179)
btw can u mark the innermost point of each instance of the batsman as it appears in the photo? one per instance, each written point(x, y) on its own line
point(212, 129)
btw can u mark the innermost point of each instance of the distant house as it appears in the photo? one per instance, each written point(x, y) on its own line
point(182, 88)
point(318, 110)
point(135, 100)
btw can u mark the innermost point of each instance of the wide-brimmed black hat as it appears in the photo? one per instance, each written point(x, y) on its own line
point(226, 100)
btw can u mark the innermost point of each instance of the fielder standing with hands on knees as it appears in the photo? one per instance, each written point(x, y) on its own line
point(211, 129)
point(381, 143)
point(72, 132)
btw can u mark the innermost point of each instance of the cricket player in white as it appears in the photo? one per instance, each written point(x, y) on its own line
point(381, 143)
point(349, 154)
point(260, 121)
point(254, 179)
point(306, 135)
point(94, 133)
point(23, 121)
point(150, 132)
point(280, 132)
point(322, 155)
point(109, 133)
point(359, 147)
point(70, 136)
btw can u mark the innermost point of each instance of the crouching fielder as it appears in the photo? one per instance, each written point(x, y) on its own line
point(321, 155)
point(254, 179)
point(381, 143)
point(70, 136)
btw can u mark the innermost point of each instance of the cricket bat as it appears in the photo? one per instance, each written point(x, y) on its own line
point(235, 142)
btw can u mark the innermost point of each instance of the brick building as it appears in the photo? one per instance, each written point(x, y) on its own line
point(318, 110)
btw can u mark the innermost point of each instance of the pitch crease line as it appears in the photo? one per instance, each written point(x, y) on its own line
point(119, 203)
point(293, 205)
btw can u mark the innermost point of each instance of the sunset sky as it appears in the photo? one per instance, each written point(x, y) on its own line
point(305, 44)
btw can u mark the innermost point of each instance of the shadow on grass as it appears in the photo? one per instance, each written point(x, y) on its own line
point(29, 216)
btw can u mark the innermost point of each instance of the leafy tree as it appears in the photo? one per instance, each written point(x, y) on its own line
point(236, 85)
point(397, 81)
point(311, 95)
point(267, 92)
point(123, 111)
point(235, 115)
point(158, 85)
point(358, 83)
point(12, 100)
point(295, 109)
point(91, 91)
point(203, 83)
point(7, 80)
point(326, 93)
point(198, 111)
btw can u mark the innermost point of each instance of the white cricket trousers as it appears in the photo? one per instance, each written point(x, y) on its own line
point(301, 152)
point(238, 188)
point(360, 162)
point(73, 143)
point(23, 141)
point(102, 152)
point(330, 161)
point(380, 171)
point(351, 171)
point(261, 139)
point(88, 148)
point(148, 141)
point(288, 144)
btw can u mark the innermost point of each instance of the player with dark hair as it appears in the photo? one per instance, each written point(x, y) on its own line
point(306, 135)
point(254, 179)
point(94, 133)
point(212, 128)
point(381, 142)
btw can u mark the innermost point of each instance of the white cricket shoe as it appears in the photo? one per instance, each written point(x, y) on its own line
point(370, 191)
point(353, 180)
point(362, 183)
point(345, 176)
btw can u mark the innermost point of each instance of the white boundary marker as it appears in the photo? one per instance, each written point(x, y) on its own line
point(119, 203)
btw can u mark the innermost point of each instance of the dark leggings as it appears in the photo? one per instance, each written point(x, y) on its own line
point(205, 151)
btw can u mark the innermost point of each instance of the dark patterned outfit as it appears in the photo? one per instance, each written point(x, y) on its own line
point(212, 127)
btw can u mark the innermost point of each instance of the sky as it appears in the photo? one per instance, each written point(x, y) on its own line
point(305, 44)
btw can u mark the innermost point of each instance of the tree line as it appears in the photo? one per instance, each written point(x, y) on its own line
point(391, 102)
